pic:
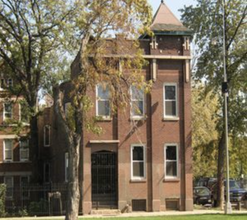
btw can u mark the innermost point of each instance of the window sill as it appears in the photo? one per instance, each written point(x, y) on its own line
point(170, 118)
point(138, 180)
point(25, 123)
point(171, 180)
point(103, 119)
point(6, 124)
point(25, 161)
point(141, 118)
point(12, 162)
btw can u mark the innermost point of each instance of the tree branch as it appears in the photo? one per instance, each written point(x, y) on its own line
point(237, 28)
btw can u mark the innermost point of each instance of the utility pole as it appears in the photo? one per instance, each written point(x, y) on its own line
point(228, 207)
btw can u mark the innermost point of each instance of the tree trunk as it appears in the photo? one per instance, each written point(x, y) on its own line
point(220, 174)
point(73, 142)
point(34, 150)
point(73, 185)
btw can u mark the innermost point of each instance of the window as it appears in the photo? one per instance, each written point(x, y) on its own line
point(67, 108)
point(171, 161)
point(7, 111)
point(8, 150)
point(137, 102)
point(24, 187)
point(102, 103)
point(9, 182)
point(66, 163)
point(9, 83)
point(24, 150)
point(2, 83)
point(170, 100)
point(46, 172)
point(23, 112)
point(137, 162)
point(6, 83)
point(47, 129)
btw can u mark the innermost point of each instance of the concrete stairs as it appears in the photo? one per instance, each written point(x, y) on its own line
point(106, 212)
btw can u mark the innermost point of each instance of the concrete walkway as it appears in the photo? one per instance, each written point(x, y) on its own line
point(133, 214)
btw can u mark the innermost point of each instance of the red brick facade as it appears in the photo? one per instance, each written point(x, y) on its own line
point(15, 164)
point(148, 161)
point(168, 55)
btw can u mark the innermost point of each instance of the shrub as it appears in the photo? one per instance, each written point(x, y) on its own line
point(38, 208)
point(2, 200)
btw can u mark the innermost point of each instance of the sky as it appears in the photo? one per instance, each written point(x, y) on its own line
point(174, 5)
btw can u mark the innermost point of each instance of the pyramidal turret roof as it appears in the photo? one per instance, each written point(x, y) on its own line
point(164, 21)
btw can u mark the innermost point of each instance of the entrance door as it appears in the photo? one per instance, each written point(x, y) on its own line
point(104, 179)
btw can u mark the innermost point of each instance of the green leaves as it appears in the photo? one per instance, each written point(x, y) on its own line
point(206, 19)
point(205, 116)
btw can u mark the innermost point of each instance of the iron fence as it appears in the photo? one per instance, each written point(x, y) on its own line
point(36, 200)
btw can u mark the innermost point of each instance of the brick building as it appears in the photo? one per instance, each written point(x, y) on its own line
point(15, 164)
point(143, 158)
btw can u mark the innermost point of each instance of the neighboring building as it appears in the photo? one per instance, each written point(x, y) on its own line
point(147, 166)
point(15, 164)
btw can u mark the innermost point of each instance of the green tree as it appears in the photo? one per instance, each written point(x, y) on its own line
point(205, 116)
point(32, 35)
point(206, 19)
point(117, 63)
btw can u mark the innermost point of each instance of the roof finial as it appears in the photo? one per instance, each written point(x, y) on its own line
point(162, 1)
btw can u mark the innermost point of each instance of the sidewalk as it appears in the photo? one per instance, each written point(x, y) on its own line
point(133, 214)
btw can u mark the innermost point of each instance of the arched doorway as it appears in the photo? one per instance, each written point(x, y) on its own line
point(104, 179)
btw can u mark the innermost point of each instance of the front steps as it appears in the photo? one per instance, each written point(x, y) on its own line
point(106, 212)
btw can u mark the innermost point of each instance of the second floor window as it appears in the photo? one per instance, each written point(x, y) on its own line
point(7, 111)
point(47, 130)
point(9, 83)
point(8, 150)
point(170, 101)
point(67, 109)
point(6, 83)
point(137, 102)
point(23, 112)
point(102, 101)
point(24, 150)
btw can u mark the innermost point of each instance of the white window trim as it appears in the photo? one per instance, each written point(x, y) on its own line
point(21, 149)
point(4, 118)
point(144, 161)
point(28, 180)
point(12, 190)
point(98, 99)
point(49, 127)
point(177, 155)
point(12, 153)
point(164, 101)
point(66, 158)
point(137, 117)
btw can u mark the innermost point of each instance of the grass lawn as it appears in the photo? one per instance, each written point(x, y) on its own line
point(181, 217)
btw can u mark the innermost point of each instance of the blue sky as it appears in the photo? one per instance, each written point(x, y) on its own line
point(174, 5)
